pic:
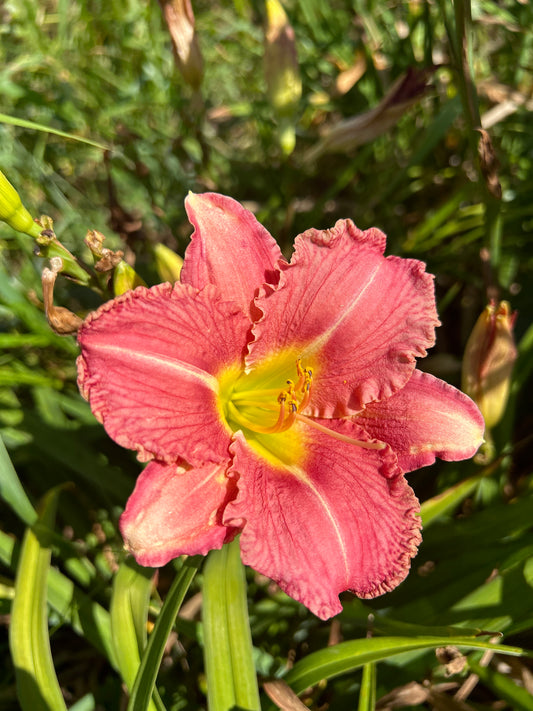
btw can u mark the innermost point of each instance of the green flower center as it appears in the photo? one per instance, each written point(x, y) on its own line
point(265, 403)
point(266, 406)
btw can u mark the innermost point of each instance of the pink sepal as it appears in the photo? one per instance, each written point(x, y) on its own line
point(229, 248)
point(147, 366)
point(176, 511)
point(359, 318)
point(345, 520)
point(426, 419)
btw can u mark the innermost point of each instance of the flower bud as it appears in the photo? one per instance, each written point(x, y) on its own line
point(13, 211)
point(168, 263)
point(282, 71)
point(125, 278)
point(180, 20)
point(488, 361)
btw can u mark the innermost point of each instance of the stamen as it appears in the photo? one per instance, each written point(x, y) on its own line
point(341, 437)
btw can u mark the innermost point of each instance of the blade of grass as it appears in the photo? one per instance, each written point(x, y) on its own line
point(22, 123)
point(347, 656)
point(367, 695)
point(12, 491)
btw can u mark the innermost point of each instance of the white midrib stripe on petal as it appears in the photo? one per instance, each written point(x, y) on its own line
point(319, 342)
point(190, 372)
point(302, 477)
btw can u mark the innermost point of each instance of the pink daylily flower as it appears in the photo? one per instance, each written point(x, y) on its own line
point(279, 401)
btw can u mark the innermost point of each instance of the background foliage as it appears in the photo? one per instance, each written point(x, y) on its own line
point(106, 72)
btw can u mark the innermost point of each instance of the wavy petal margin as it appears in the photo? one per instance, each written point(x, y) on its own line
point(359, 318)
point(176, 511)
point(147, 367)
point(426, 419)
point(347, 520)
point(229, 248)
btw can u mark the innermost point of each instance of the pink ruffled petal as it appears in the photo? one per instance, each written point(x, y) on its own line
point(426, 419)
point(147, 367)
point(176, 511)
point(229, 248)
point(346, 520)
point(358, 318)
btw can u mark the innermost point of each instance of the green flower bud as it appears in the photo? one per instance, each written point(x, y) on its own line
point(168, 263)
point(125, 278)
point(282, 71)
point(488, 361)
point(13, 212)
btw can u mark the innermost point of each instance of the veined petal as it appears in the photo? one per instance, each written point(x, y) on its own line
point(176, 511)
point(426, 419)
point(359, 318)
point(229, 248)
point(147, 367)
point(345, 520)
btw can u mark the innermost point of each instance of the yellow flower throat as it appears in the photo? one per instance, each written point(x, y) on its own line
point(266, 413)
point(252, 409)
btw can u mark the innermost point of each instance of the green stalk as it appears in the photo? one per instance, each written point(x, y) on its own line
point(228, 652)
point(217, 651)
point(462, 42)
point(244, 674)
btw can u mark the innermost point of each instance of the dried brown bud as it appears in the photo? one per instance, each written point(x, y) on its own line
point(179, 17)
point(61, 320)
point(489, 164)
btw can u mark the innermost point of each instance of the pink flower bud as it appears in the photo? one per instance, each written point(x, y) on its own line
point(488, 361)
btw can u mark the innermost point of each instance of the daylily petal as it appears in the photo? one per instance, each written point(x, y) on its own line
point(426, 419)
point(147, 367)
point(229, 248)
point(359, 318)
point(346, 520)
point(176, 511)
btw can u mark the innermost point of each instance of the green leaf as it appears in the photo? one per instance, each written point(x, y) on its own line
point(447, 501)
point(505, 688)
point(151, 658)
point(129, 614)
point(37, 685)
point(228, 651)
point(347, 656)
point(22, 123)
point(217, 650)
point(240, 637)
point(11, 489)
point(86, 617)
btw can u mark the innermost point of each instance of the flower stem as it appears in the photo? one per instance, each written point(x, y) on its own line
point(228, 653)
point(244, 674)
